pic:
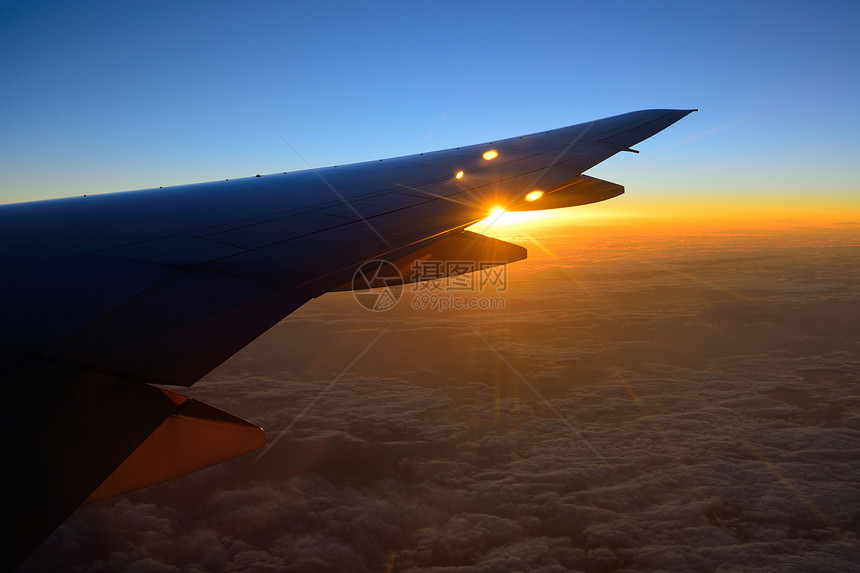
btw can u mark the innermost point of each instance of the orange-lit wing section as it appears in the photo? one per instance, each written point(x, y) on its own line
point(581, 191)
point(194, 437)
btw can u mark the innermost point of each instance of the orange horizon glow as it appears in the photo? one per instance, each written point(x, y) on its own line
point(677, 217)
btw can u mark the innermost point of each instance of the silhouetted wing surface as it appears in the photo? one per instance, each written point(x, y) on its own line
point(103, 297)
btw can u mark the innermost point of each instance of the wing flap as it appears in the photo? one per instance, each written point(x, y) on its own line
point(193, 437)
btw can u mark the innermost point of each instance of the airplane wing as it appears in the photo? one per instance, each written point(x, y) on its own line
point(104, 298)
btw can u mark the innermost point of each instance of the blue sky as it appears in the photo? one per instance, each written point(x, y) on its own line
point(102, 96)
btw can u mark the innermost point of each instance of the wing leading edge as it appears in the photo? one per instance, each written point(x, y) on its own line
point(105, 296)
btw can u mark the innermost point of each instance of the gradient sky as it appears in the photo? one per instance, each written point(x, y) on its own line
point(101, 96)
